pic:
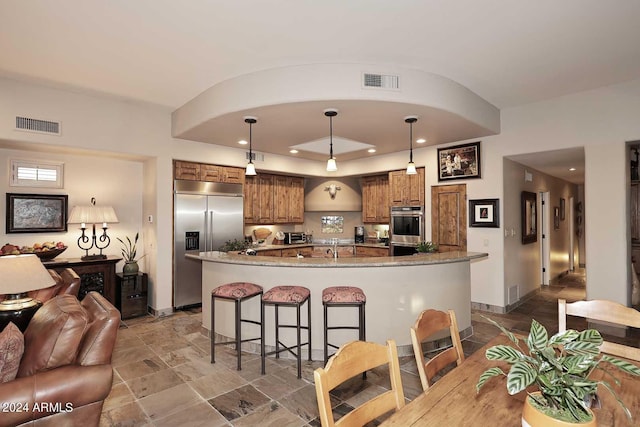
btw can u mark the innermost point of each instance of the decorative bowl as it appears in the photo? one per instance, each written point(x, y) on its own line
point(49, 254)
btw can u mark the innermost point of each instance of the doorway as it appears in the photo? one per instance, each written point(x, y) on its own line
point(545, 252)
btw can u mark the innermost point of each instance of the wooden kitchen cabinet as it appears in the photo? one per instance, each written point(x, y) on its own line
point(305, 251)
point(375, 199)
point(406, 190)
point(288, 200)
point(192, 171)
point(367, 251)
point(273, 199)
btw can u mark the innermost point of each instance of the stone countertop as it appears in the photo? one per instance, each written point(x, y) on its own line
point(259, 248)
point(387, 261)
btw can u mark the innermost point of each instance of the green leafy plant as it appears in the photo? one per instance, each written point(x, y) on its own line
point(129, 250)
point(234, 245)
point(427, 247)
point(559, 366)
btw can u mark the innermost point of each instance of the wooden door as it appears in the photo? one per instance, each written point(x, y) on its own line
point(449, 217)
point(296, 200)
point(281, 199)
point(187, 170)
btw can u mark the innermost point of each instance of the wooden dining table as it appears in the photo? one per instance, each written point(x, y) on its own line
point(453, 401)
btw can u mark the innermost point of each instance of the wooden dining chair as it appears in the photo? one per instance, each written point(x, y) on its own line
point(604, 311)
point(429, 323)
point(350, 360)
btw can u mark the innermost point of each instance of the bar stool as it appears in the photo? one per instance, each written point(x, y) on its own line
point(343, 296)
point(288, 296)
point(236, 292)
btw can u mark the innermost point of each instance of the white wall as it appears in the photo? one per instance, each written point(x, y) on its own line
point(599, 120)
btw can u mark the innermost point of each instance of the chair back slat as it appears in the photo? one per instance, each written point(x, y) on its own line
point(429, 323)
point(350, 360)
point(603, 311)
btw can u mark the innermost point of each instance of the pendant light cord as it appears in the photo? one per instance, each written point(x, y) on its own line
point(410, 142)
point(331, 137)
point(250, 138)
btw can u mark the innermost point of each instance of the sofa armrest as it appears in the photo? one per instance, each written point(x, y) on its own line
point(57, 390)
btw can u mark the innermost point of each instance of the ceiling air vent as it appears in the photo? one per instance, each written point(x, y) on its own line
point(380, 81)
point(35, 125)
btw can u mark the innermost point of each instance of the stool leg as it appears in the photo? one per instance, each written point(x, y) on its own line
point(277, 334)
point(213, 329)
point(309, 325)
point(262, 351)
point(363, 336)
point(326, 335)
point(238, 334)
point(299, 356)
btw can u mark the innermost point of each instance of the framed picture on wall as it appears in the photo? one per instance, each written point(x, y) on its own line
point(36, 213)
point(556, 218)
point(459, 162)
point(529, 217)
point(562, 209)
point(484, 213)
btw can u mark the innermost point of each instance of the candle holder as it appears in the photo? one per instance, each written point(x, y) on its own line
point(93, 215)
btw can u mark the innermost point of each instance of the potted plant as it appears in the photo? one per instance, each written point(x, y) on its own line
point(559, 366)
point(129, 253)
point(427, 247)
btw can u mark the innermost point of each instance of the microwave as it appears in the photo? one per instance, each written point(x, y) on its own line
point(294, 238)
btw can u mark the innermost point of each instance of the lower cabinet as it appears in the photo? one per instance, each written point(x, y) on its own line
point(131, 295)
point(367, 251)
point(95, 275)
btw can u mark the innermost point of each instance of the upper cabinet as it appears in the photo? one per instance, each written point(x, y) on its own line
point(274, 199)
point(375, 199)
point(406, 190)
point(204, 172)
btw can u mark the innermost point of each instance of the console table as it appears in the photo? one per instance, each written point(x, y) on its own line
point(95, 275)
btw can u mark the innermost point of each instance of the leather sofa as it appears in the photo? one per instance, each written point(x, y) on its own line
point(68, 282)
point(65, 372)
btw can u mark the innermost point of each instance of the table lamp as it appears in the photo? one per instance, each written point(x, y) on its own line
point(21, 274)
point(93, 215)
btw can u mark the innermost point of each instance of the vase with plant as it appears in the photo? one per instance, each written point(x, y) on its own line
point(560, 367)
point(129, 253)
point(427, 247)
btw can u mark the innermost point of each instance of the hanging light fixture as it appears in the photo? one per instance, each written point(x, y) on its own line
point(411, 167)
point(251, 168)
point(331, 163)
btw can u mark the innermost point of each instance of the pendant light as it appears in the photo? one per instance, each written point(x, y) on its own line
point(411, 167)
point(251, 168)
point(331, 163)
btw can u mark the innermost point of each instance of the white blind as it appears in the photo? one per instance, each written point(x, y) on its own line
point(36, 174)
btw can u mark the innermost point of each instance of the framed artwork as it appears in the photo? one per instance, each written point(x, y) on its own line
point(556, 218)
point(332, 224)
point(529, 217)
point(459, 162)
point(36, 213)
point(484, 213)
point(562, 209)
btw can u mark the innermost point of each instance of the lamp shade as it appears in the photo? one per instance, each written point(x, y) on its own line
point(23, 273)
point(92, 215)
point(251, 169)
point(331, 165)
point(411, 168)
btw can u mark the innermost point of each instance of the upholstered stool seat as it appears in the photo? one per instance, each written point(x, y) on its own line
point(236, 292)
point(343, 296)
point(288, 296)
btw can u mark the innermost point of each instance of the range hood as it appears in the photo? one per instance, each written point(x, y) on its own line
point(332, 195)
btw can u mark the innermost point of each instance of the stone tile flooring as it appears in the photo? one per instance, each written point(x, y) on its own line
point(162, 374)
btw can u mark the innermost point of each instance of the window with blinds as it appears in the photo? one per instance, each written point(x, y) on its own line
point(25, 173)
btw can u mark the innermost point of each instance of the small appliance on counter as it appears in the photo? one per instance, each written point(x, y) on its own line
point(359, 234)
point(291, 238)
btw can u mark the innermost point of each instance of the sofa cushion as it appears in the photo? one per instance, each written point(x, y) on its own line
point(11, 349)
point(53, 335)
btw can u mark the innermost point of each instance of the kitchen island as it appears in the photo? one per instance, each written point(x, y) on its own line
point(397, 290)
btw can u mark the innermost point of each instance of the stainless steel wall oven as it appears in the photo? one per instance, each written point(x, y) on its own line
point(407, 229)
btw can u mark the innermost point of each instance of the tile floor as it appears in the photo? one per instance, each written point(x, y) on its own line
point(162, 374)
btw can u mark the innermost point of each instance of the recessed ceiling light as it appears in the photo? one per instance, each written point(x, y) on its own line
point(371, 150)
point(421, 140)
point(572, 169)
point(294, 151)
point(242, 142)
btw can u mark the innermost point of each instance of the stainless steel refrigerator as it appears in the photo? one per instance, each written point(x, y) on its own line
point(206, 215)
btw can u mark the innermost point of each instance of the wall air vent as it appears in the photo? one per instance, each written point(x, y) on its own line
point(36, 125)
point(380, 81)
point(257, 157)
